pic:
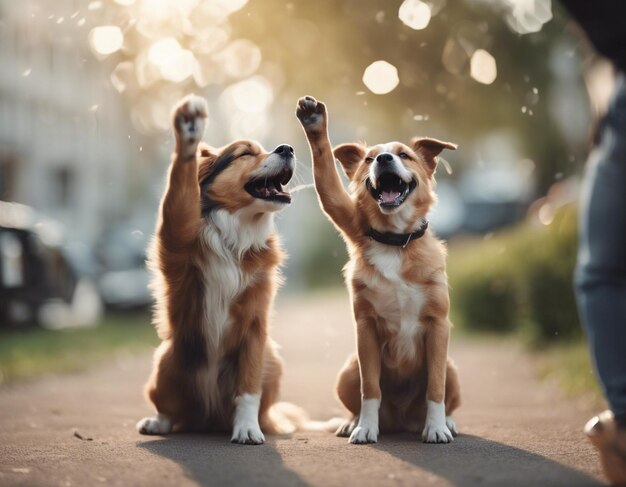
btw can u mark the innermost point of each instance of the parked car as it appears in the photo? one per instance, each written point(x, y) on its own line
point(40, 283)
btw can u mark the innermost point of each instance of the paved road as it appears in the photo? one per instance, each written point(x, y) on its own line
point(515, 430)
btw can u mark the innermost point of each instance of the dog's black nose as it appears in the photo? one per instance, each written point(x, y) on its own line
point(284, 149)
point(384, 158)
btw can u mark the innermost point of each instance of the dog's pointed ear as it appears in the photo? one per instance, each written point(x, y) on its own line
point(429, 149)
point(350, 155)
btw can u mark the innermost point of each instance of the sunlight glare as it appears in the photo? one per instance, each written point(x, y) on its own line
point(175, 63)
point(253, 95)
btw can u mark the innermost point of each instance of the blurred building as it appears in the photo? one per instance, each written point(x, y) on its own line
point(64, 143)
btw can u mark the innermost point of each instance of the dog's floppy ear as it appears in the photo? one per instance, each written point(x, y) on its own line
point(206, 150)
point(429, 149)
point(349, 155)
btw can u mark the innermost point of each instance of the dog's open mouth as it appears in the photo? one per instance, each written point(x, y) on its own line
point(390, 191)
point(270, 188)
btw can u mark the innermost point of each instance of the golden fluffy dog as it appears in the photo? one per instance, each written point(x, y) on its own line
point(401, 377)
point(214, 259)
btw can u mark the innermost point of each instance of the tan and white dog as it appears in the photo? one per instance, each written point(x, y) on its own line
point(401, 377)
point(214, 259)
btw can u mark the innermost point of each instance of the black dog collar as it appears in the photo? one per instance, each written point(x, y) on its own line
point(397, 239)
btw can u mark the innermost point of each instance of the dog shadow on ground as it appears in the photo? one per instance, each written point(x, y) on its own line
point(211, 460)
point(472, 461)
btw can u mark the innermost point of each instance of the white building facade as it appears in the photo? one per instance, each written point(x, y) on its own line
point(64, 137)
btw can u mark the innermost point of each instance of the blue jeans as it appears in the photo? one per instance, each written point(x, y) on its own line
point(601, 270)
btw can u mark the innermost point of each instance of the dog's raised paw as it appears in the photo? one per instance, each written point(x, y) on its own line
point(311, 113)
point(158, 425)
point(364, 434)
point(189, 121)
point(247, 434)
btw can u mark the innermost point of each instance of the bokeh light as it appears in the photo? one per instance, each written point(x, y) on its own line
point(528, 16)
point(106, 39)
point(415, 14)
point(381, 77)
point(174, 63)
point(483, 67)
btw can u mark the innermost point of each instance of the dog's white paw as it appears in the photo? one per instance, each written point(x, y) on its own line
point(451, 424)
point(189, 121)
point(366, 430)
point(246, 430)
point(158, 425)
point(247, 434)
point(364, 434)
point(436, 429)
point(437, 434)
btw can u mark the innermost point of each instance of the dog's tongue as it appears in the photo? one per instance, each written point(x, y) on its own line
point(389, 196)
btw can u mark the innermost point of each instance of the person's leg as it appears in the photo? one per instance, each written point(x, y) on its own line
point(601, 272)
point(601, 282)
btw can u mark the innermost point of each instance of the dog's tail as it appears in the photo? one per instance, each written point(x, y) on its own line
point(285, 417)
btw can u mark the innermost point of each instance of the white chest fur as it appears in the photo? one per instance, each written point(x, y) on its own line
point(396, 301)
point(226, 237)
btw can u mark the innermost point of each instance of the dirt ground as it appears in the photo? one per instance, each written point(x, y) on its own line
point(515, 429)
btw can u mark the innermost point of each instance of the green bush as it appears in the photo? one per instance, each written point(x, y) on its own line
point(520, 280)
point(484, 297)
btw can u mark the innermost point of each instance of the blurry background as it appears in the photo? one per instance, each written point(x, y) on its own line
point(86, 89)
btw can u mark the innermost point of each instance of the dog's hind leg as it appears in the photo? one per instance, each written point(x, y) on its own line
point(349, 393)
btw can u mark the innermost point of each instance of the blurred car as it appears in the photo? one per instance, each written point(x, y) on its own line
point(40, 281)
point(124, 280)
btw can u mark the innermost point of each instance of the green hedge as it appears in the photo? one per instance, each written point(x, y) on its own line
point(519, 280)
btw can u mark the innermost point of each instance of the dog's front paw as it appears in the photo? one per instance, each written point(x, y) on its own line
point(311, 113)
point(436, 433)
point(247, 434)
point(436, 430)
point(189, 120)
point(451, 424)
point(159, 425)
point(364, 434)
